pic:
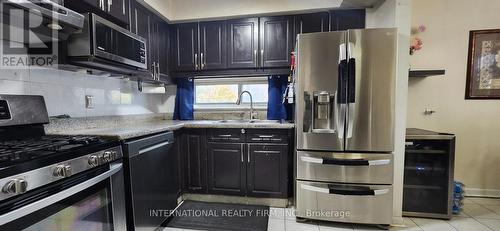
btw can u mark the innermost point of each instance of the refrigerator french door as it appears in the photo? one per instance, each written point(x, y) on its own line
point(345, 91)
point(345, 120)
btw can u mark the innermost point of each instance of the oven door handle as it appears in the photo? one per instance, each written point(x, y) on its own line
point(345, 162)
point(45, 202)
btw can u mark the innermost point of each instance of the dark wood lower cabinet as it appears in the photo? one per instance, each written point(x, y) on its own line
point(244, 166)
point(226, 168)
point(267, 170)
point(195, 160)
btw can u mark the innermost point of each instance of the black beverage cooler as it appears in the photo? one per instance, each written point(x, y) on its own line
point(428, 174)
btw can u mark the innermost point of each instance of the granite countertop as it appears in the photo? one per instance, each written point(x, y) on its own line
point(125, 131)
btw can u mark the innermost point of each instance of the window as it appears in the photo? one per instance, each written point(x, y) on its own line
point(222, 93)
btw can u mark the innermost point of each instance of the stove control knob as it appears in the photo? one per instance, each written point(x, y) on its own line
point(114, 155)
point(16, 186)
point(107, 156)
point(94, 160)
point(62, 170)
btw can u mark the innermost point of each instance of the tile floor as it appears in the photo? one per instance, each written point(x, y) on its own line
point(479, 214)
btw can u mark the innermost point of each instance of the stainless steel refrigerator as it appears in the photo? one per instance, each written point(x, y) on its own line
point(345, 113)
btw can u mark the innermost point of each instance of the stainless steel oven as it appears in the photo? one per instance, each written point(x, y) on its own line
point(92, 200)
point(106, 46)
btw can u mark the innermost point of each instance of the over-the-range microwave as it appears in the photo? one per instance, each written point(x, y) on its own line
point(103, 45)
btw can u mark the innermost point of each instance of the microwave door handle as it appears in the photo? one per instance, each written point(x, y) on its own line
point(45, 202)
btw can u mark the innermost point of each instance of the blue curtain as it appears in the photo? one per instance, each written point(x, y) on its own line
point(184, 99)
point(276, 110)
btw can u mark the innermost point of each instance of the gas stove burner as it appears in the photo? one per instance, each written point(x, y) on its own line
point(26, 149)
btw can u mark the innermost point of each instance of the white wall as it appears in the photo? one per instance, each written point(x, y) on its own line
point(162, 7)
point(202, 9)
point(396, 13)
point(65, 91)
point(475, 122)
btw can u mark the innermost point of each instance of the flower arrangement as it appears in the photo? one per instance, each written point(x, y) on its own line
point(416, 43)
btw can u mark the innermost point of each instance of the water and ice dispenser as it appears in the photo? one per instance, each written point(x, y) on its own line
point(323, 111)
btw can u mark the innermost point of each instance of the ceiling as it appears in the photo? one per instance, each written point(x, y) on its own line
point(196, 10)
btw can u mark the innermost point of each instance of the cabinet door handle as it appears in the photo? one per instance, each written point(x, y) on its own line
point(270, 152)
point(196, 61)
point(248, 157)
point(110, 2)
point(262, 57)
point(242, 157)
point(255, 57)
point(224, 135)
point(266, 136)
point(201, 61)
point(155, 71)
point(158, 71)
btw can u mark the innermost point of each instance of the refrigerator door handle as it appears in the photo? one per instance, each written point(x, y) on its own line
point(341, 94)
point(351, 95)
point(346, 190)
point(308, 113)
point(345, 162)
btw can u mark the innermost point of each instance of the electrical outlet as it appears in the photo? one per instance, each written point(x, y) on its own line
point(89, 101)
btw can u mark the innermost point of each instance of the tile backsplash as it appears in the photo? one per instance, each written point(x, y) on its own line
point(65, 92)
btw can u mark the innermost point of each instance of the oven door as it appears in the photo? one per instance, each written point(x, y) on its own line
point(92, 200)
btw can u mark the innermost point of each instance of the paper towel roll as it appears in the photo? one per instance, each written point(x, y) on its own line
point(153, 90)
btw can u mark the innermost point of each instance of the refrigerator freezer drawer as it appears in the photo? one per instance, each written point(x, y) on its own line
point(345, 167)
point(368, 204)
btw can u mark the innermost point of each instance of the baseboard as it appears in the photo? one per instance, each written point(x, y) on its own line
point(397, 221)
point(272, 202)
point(479, 192)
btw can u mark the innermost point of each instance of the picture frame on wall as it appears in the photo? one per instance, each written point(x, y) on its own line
point(483, 72)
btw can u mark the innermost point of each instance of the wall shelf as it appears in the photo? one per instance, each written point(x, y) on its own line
point(426, 73)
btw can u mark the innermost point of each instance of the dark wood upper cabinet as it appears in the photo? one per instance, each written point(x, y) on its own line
point(185, 38)
point(154, 43)
point(276, 41)
point(213, 45)
point(243, 43)
point(159, 40)
point(226, 168)
point(347, 19)
point(311, 23)
point(267, 170)
point(164, 50)
point(195, 160)
point(94, 3)
point(116, 11)
point(141, 25)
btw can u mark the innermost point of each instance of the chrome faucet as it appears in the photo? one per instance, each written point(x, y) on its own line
point(238, 102)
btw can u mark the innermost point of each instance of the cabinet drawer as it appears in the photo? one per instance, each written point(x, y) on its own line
point(370, 204)
point(267, 136)
point(225, 135)
point(345, 167)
